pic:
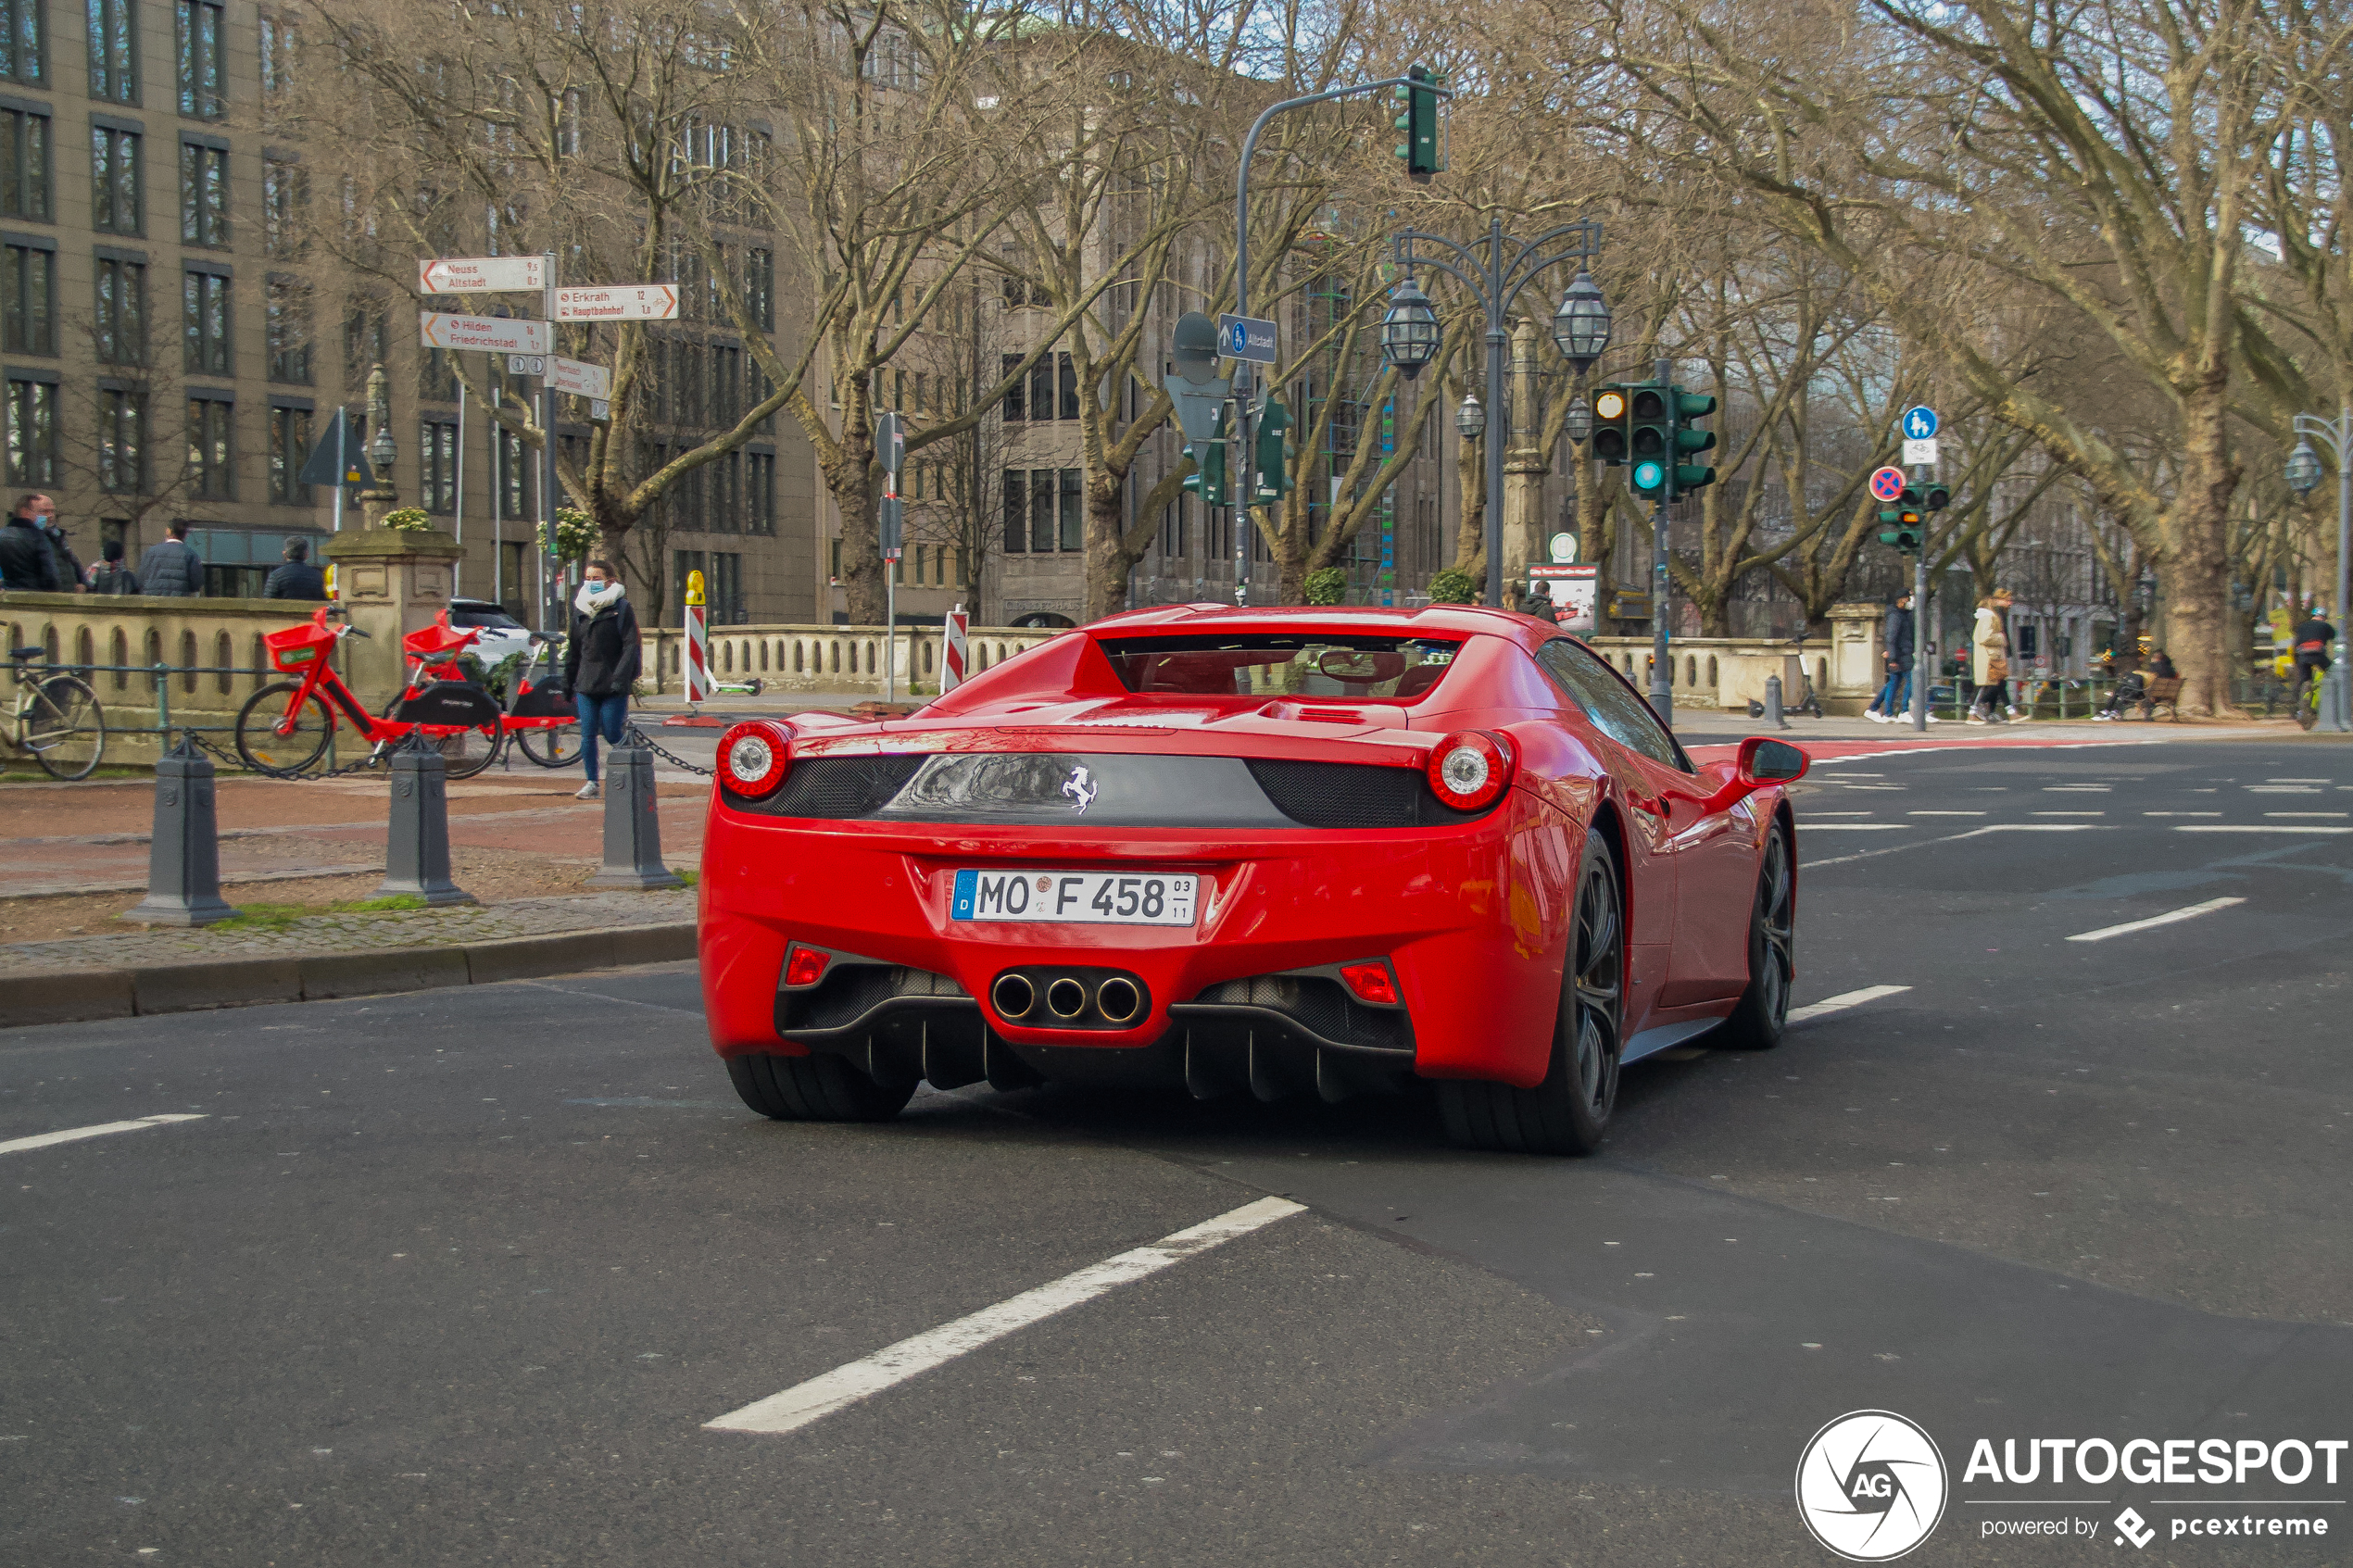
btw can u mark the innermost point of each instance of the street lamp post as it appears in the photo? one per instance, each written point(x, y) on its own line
point(378, 498)
point(1580, 327)
point(2303, 477)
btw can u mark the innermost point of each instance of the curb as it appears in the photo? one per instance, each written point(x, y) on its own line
point(83, 995)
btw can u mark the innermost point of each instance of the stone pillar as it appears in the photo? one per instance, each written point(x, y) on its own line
point(381, 497)
point(392, 582)
point(1856, 668)
point(1525, 468)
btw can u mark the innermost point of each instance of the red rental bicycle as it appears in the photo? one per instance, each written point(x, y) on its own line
point(284, 728)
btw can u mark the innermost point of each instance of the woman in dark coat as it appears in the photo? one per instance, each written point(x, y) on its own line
point(600, 662)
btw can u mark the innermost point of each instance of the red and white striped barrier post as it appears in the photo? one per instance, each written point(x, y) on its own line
point(697, 644)
point(952, 667)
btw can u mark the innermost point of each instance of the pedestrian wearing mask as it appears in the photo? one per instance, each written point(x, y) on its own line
point(600, 663)
point(27, 563)
point(69, 564)
point(1989, 656)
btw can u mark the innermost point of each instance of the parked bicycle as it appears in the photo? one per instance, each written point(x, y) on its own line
point(541, 714)
point(57, 716)
point(285, 727)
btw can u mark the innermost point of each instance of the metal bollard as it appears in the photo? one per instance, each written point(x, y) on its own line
point(183, 857)
point(417, 845)
point(1773, 703)
point(633, 825)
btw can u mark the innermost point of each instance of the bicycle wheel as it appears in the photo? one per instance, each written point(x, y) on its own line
point(275, 738)
point(2308, 705)
point(63, 727)
point(468, 751)
point(556, 746)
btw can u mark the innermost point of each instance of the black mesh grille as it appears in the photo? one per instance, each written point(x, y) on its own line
point(1320, 1004)
point(837, 786)
point(849, 991)
point(1341, 795)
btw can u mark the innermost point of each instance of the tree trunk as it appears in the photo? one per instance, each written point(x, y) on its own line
point(2197, 565)
point(1109, 560)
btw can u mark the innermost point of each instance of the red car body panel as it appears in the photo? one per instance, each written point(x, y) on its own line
point(1473, 916)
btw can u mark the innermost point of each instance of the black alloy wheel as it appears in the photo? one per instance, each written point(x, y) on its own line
point(1758, 1021)
point(1569, 1112)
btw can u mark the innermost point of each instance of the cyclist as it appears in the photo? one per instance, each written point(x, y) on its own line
point(2312, 640)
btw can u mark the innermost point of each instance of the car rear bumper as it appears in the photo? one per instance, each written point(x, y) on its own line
point(1471, 918)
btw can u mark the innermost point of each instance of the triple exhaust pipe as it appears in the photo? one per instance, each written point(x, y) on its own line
point(1118, 1000)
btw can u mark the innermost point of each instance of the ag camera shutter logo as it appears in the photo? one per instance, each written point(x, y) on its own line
point(1872, 1486)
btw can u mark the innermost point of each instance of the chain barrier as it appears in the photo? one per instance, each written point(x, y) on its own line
point(635, 736)
point(246, 765)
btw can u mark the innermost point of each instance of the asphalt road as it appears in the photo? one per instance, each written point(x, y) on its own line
point(458, 1278)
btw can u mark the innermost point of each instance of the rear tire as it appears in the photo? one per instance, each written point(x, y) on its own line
point(63, 727)
point(1757, 1023)
point(1568, 1112)
point(266, 751)
point(813, 1088)
point(549, 748)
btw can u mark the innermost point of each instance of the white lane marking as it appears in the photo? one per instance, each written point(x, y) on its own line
point(2279, 789)
point(1843, 1000)
point(2180, 813)
point(74, 1134)
point(2070, 813)
point(823, 1394)
point(1973, 832)
point(2192, 913)
point(1945, 813)
point(2255, 827)
point(1858, 827)
point(2298, 780)
point(2305, 814)
point(2075, 789)
point(1811, 815)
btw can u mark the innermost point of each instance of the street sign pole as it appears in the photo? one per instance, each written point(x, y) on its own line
point(552, 609)
point(1662, 672)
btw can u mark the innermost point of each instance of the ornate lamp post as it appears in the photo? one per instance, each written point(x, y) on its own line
point(381, 495)
point(2304, 477)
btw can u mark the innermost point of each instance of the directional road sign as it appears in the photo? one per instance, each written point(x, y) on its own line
point(1919, 451)
point(482, 274)
point(619, 302)
point(1247, 337)
point(580, 380)
point(1920, 422)
point(496, 333)
point(1888, 483)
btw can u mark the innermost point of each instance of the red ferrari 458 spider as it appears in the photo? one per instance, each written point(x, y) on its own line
point(1294, 850)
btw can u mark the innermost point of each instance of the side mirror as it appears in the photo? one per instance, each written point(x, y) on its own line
point(1762, 762)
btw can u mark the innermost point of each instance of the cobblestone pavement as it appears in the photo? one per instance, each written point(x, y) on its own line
point(356, 931)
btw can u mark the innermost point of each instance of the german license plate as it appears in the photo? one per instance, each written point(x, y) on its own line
point(1076, 898)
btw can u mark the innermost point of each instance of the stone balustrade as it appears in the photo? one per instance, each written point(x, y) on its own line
point(833, 658)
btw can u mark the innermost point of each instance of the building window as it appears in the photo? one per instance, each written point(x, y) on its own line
point(29, 313)
point(1041, 388)
point(279, 38)
point(727, 384)
point(118, 326)
point(287, 303)
point(115, 204)
point(24, 42)
point(285, 193)
point(759, 491)
point(204, 194)
point(205, 306)
point(759, 288)
point(437, 465)
point(1041, 511)
point(1017, 512)
point(366, 341)
point(513, 478)
point(437, 376)
point(32, 432)
point(289, 449)
point(114, 51)
point(1074, 511)
point(122, 442)
point(1015, 409)
point(201, 28)
point(24, 165)
point(1068, 378)
point(212, 472)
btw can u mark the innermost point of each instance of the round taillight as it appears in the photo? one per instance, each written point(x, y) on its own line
point(753, 758)
point(1469, 769)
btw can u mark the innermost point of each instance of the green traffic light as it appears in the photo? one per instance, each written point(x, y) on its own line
point(1648, 476)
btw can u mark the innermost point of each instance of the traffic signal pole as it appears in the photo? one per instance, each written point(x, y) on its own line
point(1919, 636)
point(1662, 672)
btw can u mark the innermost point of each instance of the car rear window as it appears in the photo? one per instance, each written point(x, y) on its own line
point(1361, 669)
point(466, 615)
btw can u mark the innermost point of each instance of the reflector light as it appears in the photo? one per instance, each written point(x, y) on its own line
point(1469, 769)
point(806, 967)
point(1371, 982)
point(753, 758)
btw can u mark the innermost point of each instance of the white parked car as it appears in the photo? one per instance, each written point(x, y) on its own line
point(500, 634)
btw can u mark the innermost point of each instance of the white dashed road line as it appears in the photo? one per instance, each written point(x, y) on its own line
point(1856, 827)
point(821, 1395)
point(2168, 918)
point(75, 1134)
point(1843, 1000)
point(2257, 827)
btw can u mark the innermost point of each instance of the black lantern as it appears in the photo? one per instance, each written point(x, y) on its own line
point(2303, 469)
point(1409, 333)
point(1578, 424)
point(1581, 328)
point(1470, 418)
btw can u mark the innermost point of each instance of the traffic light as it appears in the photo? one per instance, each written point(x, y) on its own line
point(1419, 124)
point(1649, 439)
point(1689, 406)
point(1902, 521)
point(1609, 425)
point(1208, 478)
point(1939, 497)
point(1271, 480)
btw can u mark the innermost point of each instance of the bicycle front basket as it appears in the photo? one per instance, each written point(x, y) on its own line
point(298, 647)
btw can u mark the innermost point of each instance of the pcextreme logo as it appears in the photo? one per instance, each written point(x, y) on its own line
point(1872, 1486)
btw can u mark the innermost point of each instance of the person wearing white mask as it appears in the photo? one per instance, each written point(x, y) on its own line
point(600, 663)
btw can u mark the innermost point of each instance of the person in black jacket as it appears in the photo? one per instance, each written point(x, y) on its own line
point(172, 570)
point(1895, 698)
point(297, 579)
point(600, 662)
point(27, 563)
point(110, 575)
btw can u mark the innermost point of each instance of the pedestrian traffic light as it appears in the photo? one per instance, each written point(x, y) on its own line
point(1272, 479)
point(1689, 408)
point(1609, 425)
point(1901, 523)
point(1419, 124)
point(1649, 439)
point(1208, 478)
